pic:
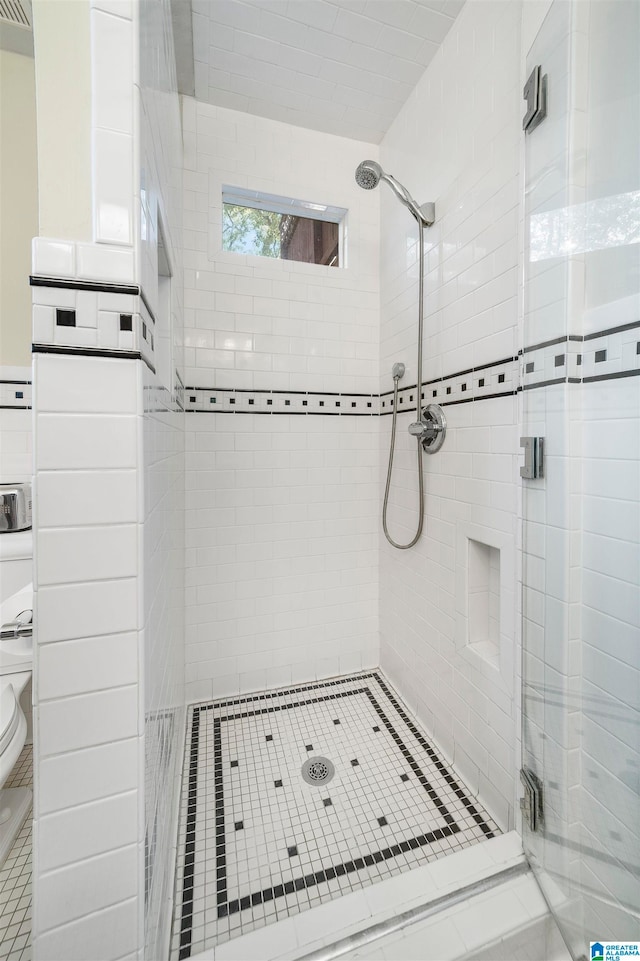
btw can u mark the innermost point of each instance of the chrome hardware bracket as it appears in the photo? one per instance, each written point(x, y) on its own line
point(428, 212)
point(535, 93)
point(531, 804)
point(533, 466)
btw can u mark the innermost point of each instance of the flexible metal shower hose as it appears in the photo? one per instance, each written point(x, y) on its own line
point(416, 538)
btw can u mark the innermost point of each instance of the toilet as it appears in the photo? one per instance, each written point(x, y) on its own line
point(16, 658)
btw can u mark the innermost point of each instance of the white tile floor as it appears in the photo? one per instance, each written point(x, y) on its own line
point(257, 844)
point(15, 877)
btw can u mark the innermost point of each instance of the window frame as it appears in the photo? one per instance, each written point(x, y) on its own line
point(275, 203)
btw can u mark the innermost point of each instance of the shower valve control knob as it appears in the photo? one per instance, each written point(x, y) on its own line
point(430, 430)
point(419, 429)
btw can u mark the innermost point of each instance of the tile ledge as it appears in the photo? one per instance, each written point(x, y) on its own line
point(497, 854)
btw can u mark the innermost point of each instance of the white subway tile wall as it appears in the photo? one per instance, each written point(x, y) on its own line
point(610, 619)
point(456, 141)
point(87, 610)
point(281, 550)
point(16, 461)
point(113, 126)
point(256, 322)
point(282, 510)
point(83, 608)
point(109, 447)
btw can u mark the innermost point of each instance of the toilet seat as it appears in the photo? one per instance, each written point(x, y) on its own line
point(13, 724)
point(9, 715)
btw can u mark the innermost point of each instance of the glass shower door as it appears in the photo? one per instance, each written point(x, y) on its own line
point(581, 521)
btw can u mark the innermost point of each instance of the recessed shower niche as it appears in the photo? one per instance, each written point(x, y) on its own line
point(485, 604)
point(483, 587)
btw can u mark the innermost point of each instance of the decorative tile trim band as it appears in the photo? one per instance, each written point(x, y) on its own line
point(91, 352)
point(114, 320)
point(65, 283)
point(480, 383)
point(601, 355)
point(62, 283)
point(229, 401)
point(497, 379)
point(15, 394)
point(93, 316)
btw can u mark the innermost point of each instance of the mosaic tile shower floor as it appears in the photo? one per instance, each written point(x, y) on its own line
point(15, 877)
point(258, 844)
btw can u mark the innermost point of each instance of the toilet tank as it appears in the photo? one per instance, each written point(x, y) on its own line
point(16, 562)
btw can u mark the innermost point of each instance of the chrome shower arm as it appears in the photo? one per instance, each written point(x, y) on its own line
point(404, 196)
point(369, 173)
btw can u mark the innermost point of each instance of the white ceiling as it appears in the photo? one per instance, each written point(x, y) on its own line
point(342, 66)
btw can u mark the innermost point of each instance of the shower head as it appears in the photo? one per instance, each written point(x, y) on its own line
point(369, 174)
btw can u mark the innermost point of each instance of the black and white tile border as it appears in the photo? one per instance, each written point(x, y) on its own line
point(79, 317)
point(498, 379)
point(228, 401)
point(114, 320)
point(440, 785)
point(15, 394)
point(602, 355)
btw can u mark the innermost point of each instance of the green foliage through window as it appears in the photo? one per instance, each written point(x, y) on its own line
point(246, 230)
point(282, 235)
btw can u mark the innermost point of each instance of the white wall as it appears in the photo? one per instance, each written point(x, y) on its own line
point(18, 204)
point(18, 224)
point(282, 510)
point(456, 141)
point(87, 743)
point(62, 42)
point(108, 525)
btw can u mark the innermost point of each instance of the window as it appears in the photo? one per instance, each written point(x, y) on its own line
point(272, 226)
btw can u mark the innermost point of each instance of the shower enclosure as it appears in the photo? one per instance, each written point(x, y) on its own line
point(581, 523)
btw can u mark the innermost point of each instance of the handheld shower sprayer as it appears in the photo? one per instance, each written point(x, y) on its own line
point(369, 174)
point(430, 425)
